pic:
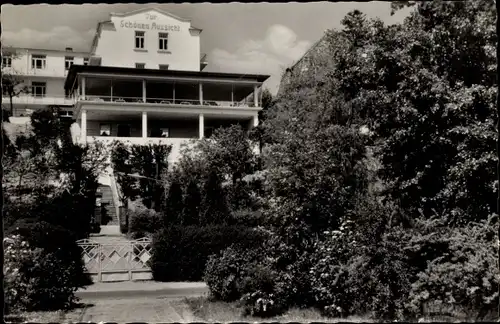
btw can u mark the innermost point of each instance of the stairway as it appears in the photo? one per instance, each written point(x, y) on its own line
point(107, 202)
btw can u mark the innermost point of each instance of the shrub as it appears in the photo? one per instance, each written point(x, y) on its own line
point(174, 205)
point(252, 275)
point(192, 204)
point(143, 222)
point(215, 204)
point(247, 217)
point(17, 255)
point(225, 271)
point(461, 278)
point(181, 252)
point(38, 279)
point(50, 238)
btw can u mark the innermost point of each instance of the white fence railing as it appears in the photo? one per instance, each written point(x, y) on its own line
point(168, 101)
point(46, 100)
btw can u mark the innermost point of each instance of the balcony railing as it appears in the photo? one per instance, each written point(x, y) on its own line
point(46, 100)
point(168, 101)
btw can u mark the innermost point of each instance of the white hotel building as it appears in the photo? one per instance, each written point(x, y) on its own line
point(142, 81)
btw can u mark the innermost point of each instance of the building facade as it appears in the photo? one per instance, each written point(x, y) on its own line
point(142, 81)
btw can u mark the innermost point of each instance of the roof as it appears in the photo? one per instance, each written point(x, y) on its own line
point(76, 69)
point(10, 49)
point(316, 44)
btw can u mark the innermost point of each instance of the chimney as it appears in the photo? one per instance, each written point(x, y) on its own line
point(69, 49)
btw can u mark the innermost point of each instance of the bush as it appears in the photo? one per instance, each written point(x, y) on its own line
point(247, 217)
point(225, 272)
point(17, 255)
point(50, 238)
point(143, 222)
point(180, 253)
point(251, 275)
point(37, 278)
point(460, 277)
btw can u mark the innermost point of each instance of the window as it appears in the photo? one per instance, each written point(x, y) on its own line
point(105, 130)
point(86, 61)
point(68, 62)
point(38, 89)
point(163, 66)
point(163, 41)
point(7, 61)
point(123, 131)
point(139, 39)
point(38, 61)
point(208, 132)
point(140, 65)
point(164, 132)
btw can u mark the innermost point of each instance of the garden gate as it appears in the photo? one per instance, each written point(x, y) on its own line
point(117, 261)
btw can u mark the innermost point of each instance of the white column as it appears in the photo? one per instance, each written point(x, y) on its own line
point(256, 95)
point(232, 94)
point(201, 93)
point(83, 128)
point(143, 91)
point(83, 88)
point(255, 120)
point(202, 126)
point(144, 124)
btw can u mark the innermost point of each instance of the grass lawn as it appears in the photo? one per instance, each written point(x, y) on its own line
point(217, 311)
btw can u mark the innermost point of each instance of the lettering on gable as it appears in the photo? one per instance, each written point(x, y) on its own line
point(152, 26)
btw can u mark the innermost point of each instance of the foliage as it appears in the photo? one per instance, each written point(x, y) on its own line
point(192, 205)
point(174, 205)
point(143, 222)
point(120, 160)
point(225, 272)
point(180, 253)
point(40, 275)
point(427, 90)
point(17, 255)
point(215, 205)
point(460, 272)
point(228, 151)
point(149, 162)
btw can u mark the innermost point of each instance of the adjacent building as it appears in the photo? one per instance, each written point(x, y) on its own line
point(313, 58)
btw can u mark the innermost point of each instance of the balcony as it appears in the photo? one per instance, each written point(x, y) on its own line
point(197, 96)
point(42, 101)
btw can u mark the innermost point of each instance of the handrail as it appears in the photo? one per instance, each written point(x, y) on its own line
point(114, 192)
point(168, 101)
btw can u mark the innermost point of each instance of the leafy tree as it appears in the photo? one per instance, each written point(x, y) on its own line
point(427, 90)
point(257, 133)
point(174, 205)
point(192, 204)
point(120, 160)
point(214, 204)
point(228, 152)
point(139, 170)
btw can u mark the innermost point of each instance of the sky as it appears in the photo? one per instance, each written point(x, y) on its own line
point(260, 38)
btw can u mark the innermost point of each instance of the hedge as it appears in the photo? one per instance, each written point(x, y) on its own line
point(180, 253)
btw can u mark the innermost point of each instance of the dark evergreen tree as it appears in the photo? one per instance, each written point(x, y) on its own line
point(215, 206)
point(173, 205)
point(192, 204)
